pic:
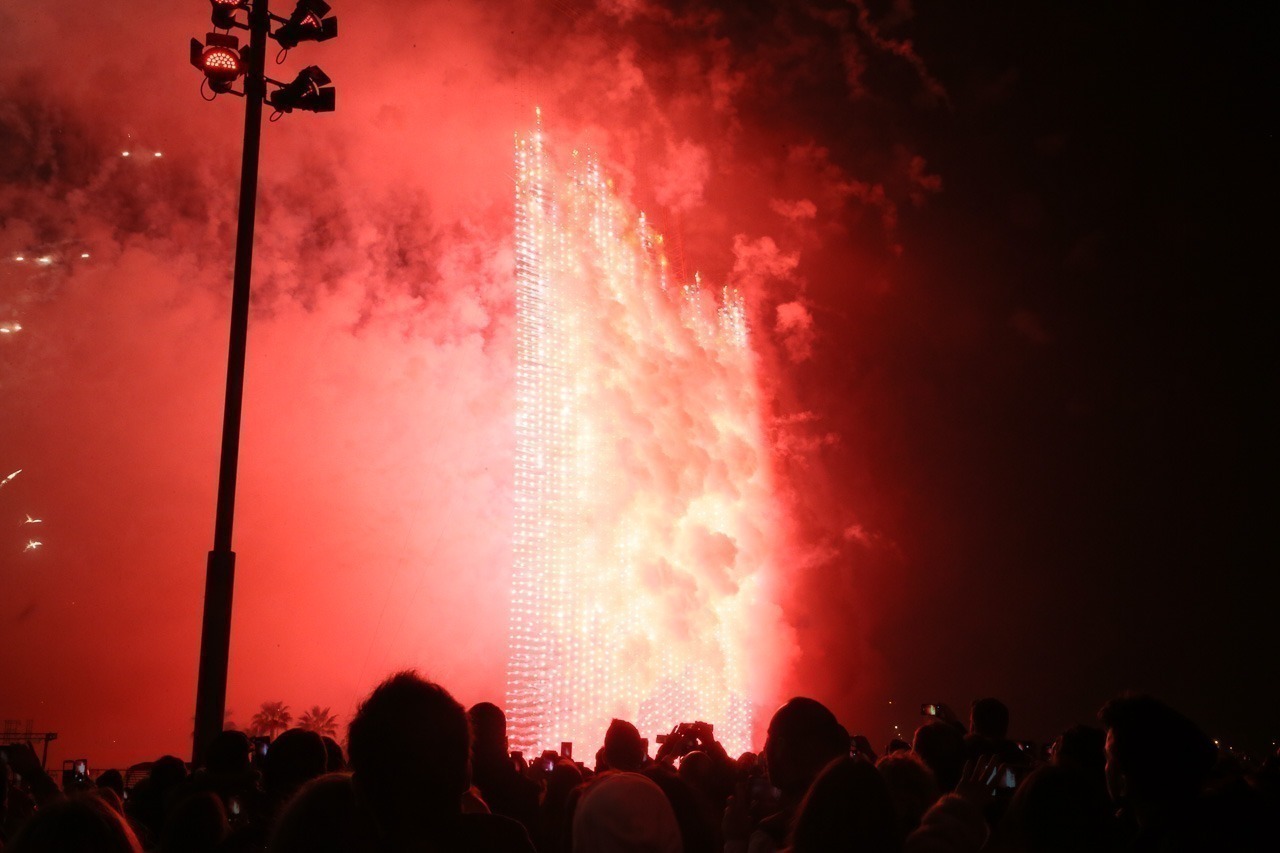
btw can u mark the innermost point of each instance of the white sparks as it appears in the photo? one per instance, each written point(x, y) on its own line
point(31, 520)
point(32, 544)
point(6, 480)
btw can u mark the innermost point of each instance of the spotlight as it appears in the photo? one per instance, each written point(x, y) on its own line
point(305, 93)
point(307, 23)
point(224, 13)
point(219, 59)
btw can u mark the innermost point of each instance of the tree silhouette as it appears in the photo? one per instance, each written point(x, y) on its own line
point(320, 721)
point(271, 717)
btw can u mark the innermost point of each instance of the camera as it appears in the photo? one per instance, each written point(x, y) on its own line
point(931, 710)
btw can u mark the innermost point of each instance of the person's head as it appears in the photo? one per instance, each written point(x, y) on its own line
point(167, 773)
point(803, 738)
point(911, 786)
point(897, 745)
point(848, 807)
point(989, 718)
point(699, 771)
point(623, 746)
point(112, 779)
point(1057, 810)
point(229, 753)
point(81, 822)
point(488, 729)
point(625, 812)
point(295, 757)
point(1154, 754)
point(409, 748)
point(196, 824)
point(941, 745)
point(1082, 747)
point(335, 760)
point(321, 818)
point(564, 777)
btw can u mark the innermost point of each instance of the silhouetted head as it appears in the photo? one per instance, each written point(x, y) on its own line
point(911, 786)
point(112, 779)
point(897, 745)
point(196, 824)
point(488, 728)
point(1082, 747)
point(625, 812)
point(167, 773)
point(698, 770)
point(295, 758)
point(78, 823)
point(1057, 810)
point(335, 761)
point(229, 753)
point(989, 718)
point(321, 818)
point(847, 808)
point(941, 745)
point(1154, 754)
point(564, 777)
point(803, 738)
point(409, 748)
point(623, 746)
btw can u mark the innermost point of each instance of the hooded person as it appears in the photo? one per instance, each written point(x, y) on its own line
point(625, 813)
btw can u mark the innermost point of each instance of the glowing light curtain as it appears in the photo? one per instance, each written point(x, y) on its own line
point(642, 496)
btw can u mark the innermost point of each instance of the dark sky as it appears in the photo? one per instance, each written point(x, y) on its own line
point(1006, 263)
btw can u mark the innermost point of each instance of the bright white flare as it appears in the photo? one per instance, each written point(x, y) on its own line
point(643, 499)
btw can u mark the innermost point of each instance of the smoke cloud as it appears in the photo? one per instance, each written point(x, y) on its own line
point(374, 513)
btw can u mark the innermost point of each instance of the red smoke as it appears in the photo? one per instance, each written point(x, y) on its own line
point(373, 526)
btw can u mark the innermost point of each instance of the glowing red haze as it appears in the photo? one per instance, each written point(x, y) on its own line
point(374, 519)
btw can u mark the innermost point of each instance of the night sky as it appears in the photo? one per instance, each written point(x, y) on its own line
point(1006, 264)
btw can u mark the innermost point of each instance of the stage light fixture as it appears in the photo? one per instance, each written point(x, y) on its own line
point(224, 13)
point(219, 58)
point(309, 91)
point(307, 23)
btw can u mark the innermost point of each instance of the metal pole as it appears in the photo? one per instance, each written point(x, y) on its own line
point(215, 632)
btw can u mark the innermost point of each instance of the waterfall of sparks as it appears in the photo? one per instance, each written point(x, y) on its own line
point(642, 488)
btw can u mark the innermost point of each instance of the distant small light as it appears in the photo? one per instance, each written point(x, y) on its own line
point(124, 153)
point(45, 261)
point(84, 254)
point(158, 154)
point(20, 258)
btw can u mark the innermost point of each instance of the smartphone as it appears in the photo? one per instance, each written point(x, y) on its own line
point(929, 710)
point(1009, 780)
point(82, 767)
point(235, 806)
point(566, 749)
point(548, 764)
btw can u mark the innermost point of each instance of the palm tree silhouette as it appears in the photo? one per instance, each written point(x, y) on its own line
point(320, 721)
point(272, 716)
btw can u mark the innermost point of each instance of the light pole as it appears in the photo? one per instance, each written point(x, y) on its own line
point(222, 62)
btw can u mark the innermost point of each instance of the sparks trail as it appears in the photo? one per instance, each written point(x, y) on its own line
point(639, 482)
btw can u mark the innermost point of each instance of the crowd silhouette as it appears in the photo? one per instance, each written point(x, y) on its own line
point(421, 773)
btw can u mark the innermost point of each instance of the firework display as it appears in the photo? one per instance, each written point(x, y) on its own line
point(641, 541)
